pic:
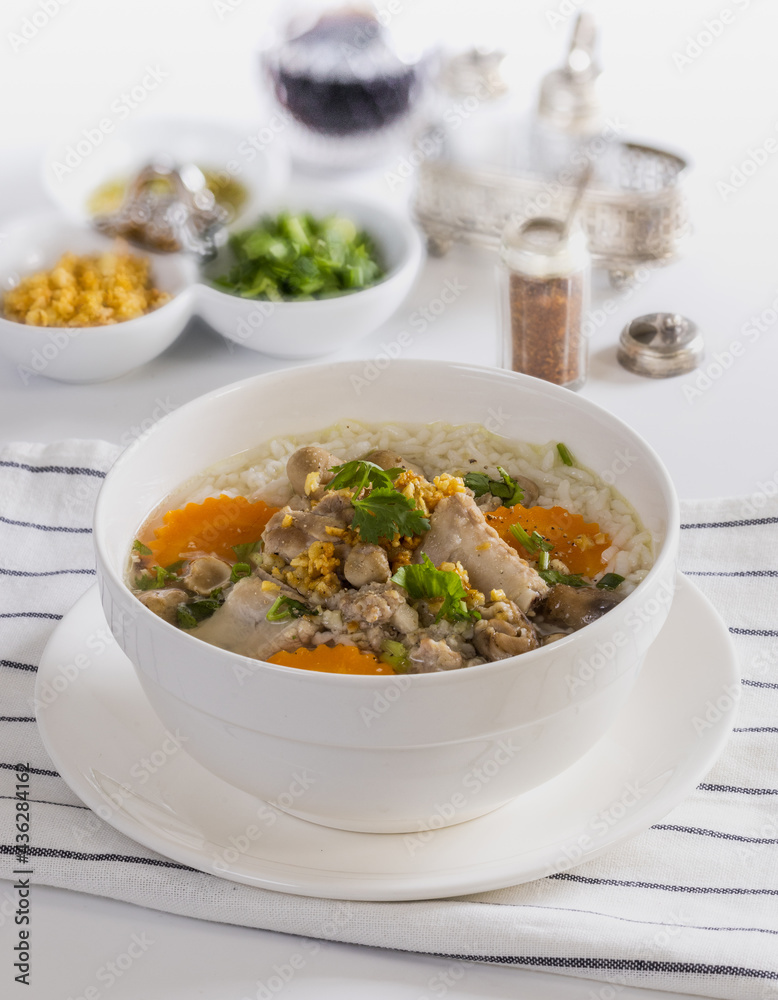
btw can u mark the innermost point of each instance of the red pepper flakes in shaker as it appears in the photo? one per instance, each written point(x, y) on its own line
point(545, 291)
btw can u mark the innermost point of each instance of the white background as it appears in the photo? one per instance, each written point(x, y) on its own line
point(719, 106)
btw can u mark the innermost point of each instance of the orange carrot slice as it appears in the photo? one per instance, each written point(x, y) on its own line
point(209, 528)
point(333, 660)
point(578, 544)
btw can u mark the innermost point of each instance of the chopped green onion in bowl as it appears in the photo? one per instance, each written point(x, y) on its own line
point(298, 257)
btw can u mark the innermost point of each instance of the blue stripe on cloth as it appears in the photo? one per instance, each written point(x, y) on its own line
point(732, 524)
point(68, 470)
point(633, 884)
point(14, 665)
point(45, 527)
point(31, 614)
point(617, 964)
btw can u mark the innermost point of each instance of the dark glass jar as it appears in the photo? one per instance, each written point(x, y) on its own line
point(345, 87)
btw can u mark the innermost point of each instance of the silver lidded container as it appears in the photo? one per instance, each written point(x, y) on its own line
point(476, 173)
point(544, 296)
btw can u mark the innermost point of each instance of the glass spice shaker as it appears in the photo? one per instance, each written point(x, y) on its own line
point(544, 293)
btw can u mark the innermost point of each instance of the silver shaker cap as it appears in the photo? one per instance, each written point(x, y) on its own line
point(660, 345)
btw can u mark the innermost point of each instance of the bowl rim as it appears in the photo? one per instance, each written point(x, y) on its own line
point(53, 217)
point(522, 661)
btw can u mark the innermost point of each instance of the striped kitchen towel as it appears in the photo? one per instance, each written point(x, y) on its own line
point(690, 905)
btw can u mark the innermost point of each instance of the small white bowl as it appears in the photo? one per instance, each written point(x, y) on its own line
point(319, 326)
point(75, 166)
point(86, 354)
point(385, 754)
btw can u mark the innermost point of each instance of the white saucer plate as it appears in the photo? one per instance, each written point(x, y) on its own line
point(112, 750)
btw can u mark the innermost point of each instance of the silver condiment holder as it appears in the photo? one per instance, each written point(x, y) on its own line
point(660, 345)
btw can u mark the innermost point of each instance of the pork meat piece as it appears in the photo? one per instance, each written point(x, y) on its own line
point(163, 602)
point(366, 564)
point(459, 533)
point(289, 532)
point(434, 654)
point(240, 625)
point(369, 605)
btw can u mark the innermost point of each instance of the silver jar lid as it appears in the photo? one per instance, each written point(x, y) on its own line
point(660, 345)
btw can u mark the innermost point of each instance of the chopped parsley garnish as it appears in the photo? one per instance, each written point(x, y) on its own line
point(396, 655)
point(478, 482)
point(356, 475)
point(425, 581)
point(284, 609)
point(239, 570)
point(564, 454)
point(610, 581)
point(138, 546)
point(189, 615)
point(507, 489)
point(246, 549)
point(553, 577)
point(385, 512)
